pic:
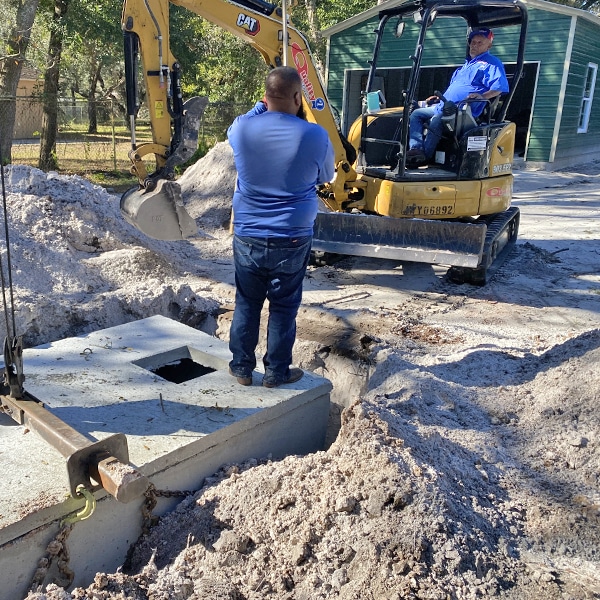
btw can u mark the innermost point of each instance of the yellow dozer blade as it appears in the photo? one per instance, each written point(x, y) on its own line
point(416, 240)
point(474, 250)
point(159, 213)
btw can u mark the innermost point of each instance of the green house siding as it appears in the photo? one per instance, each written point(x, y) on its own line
point(547, 40)
point(586, 49)
point(350, 49)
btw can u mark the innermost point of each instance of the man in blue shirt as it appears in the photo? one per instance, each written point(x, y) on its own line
point(482, 76)
point(280, 158)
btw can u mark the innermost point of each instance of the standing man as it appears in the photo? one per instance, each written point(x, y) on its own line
point(280, 158)
point(482, 76)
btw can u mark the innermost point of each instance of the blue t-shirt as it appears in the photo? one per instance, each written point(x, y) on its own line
point(280, 159)
point(477, 76)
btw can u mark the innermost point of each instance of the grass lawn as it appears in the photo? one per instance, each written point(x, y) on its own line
point(101, 157)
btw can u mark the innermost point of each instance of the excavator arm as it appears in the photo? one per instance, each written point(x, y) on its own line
point(156, 207)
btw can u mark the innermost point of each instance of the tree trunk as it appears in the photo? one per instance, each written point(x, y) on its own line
point(314, 31)
point(10, 72)
point(92, 110)
point(48, 159)
point(92, 104)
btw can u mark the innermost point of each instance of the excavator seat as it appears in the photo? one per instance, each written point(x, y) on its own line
point(464, 121)
point(491, 110)
point(456, 128)
point(380, 143)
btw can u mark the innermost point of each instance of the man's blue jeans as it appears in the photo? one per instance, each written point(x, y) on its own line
point(419, 118)
point(273, 269)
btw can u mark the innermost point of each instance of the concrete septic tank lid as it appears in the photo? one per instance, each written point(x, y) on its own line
point(115, 381)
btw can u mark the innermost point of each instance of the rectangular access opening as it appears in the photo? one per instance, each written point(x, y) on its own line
point(180, 365)
point(182, 370)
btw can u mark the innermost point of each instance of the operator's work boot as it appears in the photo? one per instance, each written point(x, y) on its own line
point(415, 157)
point(295, 375)
point(241, 380)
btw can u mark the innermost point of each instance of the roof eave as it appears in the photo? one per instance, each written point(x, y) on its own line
point(375, 10)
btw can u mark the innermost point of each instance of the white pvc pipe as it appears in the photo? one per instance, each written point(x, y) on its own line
point(285, 29)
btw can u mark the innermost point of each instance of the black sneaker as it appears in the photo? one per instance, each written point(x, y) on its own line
point(295, 375)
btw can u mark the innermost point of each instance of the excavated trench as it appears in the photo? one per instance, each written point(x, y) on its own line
point(325, 345)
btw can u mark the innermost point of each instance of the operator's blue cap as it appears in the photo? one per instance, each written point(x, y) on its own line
point(484, 31)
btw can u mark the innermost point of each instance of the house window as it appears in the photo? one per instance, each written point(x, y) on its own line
point(588, 96)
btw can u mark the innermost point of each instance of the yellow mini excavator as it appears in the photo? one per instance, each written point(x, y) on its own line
point(455, 211)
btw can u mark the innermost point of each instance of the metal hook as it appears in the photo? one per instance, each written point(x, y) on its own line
point(87, 511)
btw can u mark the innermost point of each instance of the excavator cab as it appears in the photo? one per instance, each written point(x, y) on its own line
point(381, 134)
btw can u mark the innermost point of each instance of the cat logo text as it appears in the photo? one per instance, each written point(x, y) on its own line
point(249, 24)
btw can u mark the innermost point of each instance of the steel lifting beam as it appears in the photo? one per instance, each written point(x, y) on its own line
point(106, 461)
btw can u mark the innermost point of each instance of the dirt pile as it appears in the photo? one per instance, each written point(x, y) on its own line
point(77, 266)
point(427, 493)
point(467, 464)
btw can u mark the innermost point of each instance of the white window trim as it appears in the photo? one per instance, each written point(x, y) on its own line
point(586, 102)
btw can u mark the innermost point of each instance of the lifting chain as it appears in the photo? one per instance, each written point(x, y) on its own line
point(58, 549)
point(150, 495)
point(148, 519)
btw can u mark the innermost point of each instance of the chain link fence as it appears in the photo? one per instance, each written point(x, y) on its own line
point(106, 148)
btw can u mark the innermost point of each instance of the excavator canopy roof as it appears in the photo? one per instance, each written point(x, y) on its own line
point(477, 13)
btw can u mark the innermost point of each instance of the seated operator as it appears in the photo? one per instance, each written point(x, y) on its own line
point(482, 76)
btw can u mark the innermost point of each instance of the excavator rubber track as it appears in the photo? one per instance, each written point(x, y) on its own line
point(500, 239)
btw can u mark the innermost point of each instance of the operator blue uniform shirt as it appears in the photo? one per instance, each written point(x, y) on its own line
point(280, 159)
point(478, 75)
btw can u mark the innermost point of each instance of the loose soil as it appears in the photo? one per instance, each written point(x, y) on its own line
point(463, 459)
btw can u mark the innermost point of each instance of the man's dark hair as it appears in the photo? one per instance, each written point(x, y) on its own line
point(282, 82)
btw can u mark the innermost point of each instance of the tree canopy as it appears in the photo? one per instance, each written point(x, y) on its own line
point(214, 63)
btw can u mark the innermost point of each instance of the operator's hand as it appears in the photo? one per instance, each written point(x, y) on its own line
point(475, 96)
point(432, 100)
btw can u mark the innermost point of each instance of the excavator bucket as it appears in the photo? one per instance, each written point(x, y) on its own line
point(159, 213)
point(451, 243)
